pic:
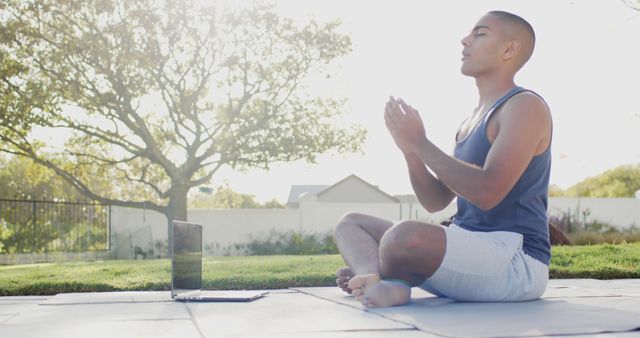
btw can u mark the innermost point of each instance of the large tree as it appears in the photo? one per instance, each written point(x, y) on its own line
point(635, 4)
point(622, 181)
point(158, 95)
point(21, 178)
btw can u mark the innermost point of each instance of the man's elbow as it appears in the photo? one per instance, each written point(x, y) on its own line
point(488, 200)
point(432, 206)
point(433, 209)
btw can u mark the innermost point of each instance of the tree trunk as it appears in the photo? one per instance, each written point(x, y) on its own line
point(176, 210)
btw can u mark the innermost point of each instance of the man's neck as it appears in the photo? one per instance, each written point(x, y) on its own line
point(491, 88)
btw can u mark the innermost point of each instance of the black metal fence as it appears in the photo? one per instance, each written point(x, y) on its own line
point(28, 226)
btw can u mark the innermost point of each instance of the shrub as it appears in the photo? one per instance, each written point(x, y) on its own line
point(609, 236)
point(593, 232)
point(290, 243)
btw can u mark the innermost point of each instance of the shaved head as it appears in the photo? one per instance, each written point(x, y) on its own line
point(519, 30)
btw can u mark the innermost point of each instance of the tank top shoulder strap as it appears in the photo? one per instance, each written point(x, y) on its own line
point(503, 99)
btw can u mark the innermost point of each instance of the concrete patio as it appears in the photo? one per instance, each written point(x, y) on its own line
point(575, 307)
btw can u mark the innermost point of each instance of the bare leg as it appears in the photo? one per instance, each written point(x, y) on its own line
point(373, 292)
point(358, 239)
point(409, 252)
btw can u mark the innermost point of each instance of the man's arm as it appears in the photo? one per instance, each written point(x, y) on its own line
point(432, 194)
point(524, 123)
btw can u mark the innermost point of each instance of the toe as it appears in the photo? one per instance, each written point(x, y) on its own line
point(367, 302)
point(357, 282)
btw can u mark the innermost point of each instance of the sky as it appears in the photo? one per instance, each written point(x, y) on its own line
point(585, 66)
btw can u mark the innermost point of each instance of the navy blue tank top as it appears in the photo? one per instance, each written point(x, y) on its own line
point(524, 209)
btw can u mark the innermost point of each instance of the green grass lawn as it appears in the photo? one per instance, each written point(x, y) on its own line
point(270, 272)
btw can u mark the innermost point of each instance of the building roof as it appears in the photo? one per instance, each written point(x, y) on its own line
point(359, 180)
point(333, 193)
point(298, 190)
point(406, 198)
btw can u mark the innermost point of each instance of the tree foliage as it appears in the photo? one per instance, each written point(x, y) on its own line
point(635, 4)
point(158, 95)
point(22, 178)
point(225, 198)
point(622, 181)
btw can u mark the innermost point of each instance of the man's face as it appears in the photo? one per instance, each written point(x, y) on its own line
point(482, 47)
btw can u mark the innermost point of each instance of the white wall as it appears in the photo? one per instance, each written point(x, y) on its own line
point(327, 215)
point(222, 228)
point(619, 212)
point(416, 211)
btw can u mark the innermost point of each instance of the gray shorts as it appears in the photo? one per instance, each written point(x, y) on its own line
point(487, 267)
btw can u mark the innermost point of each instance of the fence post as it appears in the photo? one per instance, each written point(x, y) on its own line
point(33, 244)
point(109, 228)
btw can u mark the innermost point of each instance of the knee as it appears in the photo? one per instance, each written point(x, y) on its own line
point(347, 221)
point(406, 245)
point(399, 241)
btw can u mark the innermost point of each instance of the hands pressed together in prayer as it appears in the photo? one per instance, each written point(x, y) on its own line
point(404, 125)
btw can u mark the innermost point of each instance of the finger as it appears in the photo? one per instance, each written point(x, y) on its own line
point(394, 113)
point(402, 106)
point(387, 109)
point(388, 114)
point(395, 106)
point(409, 109)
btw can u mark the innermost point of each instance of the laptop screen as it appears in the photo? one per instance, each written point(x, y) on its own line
point(186, 257)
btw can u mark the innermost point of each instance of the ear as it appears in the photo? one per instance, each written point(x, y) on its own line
point(512, 49)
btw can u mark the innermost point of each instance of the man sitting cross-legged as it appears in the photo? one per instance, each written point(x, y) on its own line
point(497, 247)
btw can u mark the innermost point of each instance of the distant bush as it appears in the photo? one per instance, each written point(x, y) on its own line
point(47, 237)
point(605, 235)
point(289, 243)
point(583, 232)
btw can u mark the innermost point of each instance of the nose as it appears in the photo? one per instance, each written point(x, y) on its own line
point(465, 41)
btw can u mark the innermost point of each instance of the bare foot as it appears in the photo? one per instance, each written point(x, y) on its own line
point(343, 276)
point(360, 283)
point(386, 293)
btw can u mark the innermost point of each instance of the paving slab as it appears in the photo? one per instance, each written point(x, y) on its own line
point(109, 297)
point(579, 308)
point(596, 283)
point(103, 328)
point(413, 333)
point(634, 334)
point(563, 291)
point(286, 313)
point(122, 297)
point(14, 305)
point(563, 310)
point(101, 319)
point(592, 288)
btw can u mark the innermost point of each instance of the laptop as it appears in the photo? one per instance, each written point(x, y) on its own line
point(186, 269)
